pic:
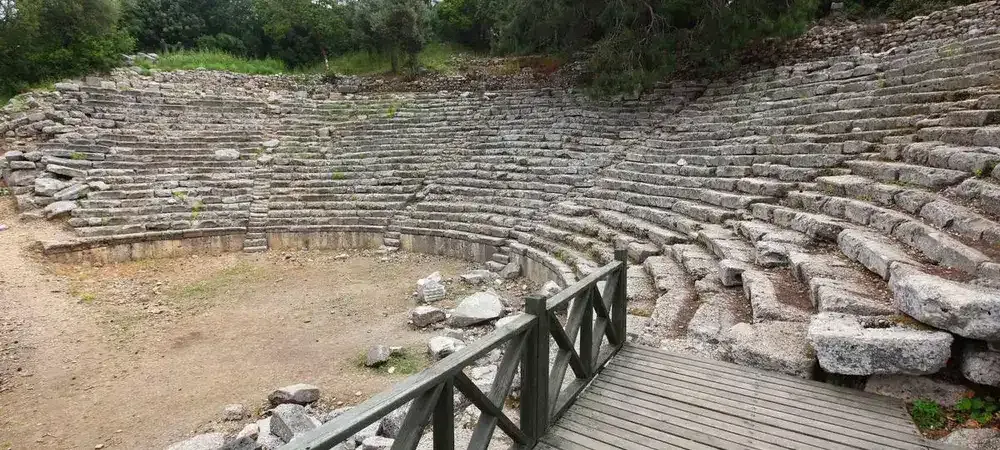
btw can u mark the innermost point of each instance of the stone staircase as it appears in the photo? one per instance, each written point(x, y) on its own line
point(256, 239)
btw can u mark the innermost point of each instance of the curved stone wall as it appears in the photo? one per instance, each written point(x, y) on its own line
point(840, 212)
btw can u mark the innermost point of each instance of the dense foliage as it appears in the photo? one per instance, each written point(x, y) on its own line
point(44, 39)
point(627, 44)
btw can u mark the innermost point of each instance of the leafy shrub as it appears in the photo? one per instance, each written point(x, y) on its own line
point(928, 415)
point(980, 409)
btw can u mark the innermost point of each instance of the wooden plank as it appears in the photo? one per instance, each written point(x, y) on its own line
point(569, 439)
point(624, 434)
point(749, 408)
point(657, 435)
point(859, 397)
point(886, 431)
point(746, 371)
point(567, 294)
point(609, 440)
point(338, 430)
point(763, 390)
point(693, 416)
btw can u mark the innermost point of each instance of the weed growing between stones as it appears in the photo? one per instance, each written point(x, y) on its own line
point(980, 409)
point(77, 156)
point(928, 415)
point(934, 419)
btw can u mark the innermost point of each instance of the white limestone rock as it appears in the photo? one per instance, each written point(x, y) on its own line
point(442, 346)
point(227, 155)
point(477, 308)
point(856, 345)
point(207, 441)
point(964, 309)
point(59, 209)
point(777, 346)
point(48, 186)
point(511, 270)
point(377, 443)
point(377, 355)
point(974, 438)
point(392, 423)
point(980, 364)
point(72, 192)
point(301, 394)
point(290, 420)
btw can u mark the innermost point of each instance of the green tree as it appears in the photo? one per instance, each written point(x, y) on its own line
point(467, 22)
point(398, 28)
point(304, 31)
point(47, 39)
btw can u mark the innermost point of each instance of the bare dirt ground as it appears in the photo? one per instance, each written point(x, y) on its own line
point(142, 354)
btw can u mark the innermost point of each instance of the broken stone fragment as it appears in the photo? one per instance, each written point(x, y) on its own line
point(48, 186)
point(301, 394)
point(72, 192)
point(423, 316)
point(289, 420)
point(442, 346)
point(477, 308)
point(511, 270)
point(377, 355)
point(478, 276)
point(207, 441)
point(58, 209)
point(430, 289)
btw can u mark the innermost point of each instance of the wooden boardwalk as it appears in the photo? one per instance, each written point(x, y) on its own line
point(650, 399)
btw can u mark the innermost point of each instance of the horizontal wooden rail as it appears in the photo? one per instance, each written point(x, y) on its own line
point(594, 315)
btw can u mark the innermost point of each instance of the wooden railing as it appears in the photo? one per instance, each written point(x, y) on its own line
point(593, 314)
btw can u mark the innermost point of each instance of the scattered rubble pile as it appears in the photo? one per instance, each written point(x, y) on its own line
point(835, 215)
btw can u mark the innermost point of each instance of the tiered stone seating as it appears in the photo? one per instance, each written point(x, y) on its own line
point(842, 211)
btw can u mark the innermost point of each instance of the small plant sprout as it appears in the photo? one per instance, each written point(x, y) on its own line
point(77, 156)
point(196, 210)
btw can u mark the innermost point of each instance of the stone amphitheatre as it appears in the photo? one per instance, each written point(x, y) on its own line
point(834, 218)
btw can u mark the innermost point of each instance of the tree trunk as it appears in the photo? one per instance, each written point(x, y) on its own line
point(394, 57)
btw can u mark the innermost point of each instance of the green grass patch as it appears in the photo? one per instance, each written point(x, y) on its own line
point(980, 409)
point(215, 60)
point(435, 57)
point(928, 415)
point(407, 361)
point(238, 275)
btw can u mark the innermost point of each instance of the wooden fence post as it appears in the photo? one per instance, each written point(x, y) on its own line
point(444, 418)
point(535, 372)
point(619, 307)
